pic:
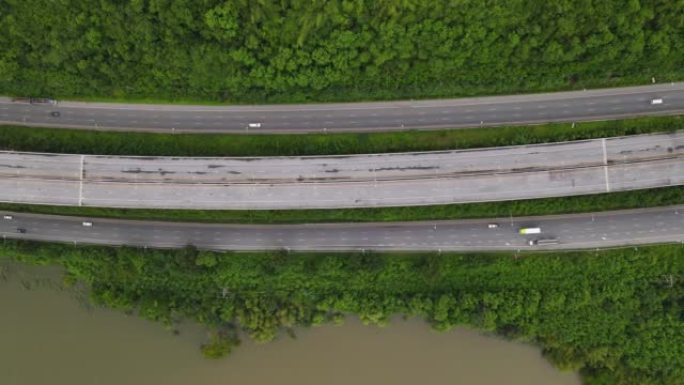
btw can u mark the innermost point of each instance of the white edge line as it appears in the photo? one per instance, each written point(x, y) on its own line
point(80, 182)
point(605, 164)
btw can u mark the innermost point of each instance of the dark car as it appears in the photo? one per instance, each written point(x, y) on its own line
point(49, 101)
point(21, 230)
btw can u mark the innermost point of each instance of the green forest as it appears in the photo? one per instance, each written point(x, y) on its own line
point(617, 316)
point(304, 50)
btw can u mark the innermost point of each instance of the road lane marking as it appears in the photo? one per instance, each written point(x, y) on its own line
point(605, 164)
point(80, 182)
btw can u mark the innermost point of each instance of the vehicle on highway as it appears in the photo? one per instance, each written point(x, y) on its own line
point(492, 225)
point(254, 125)
point(21, 230)
point(49, 101)
point(657, 101)
point(529, 230)
point(543, 241)
point(8, 217)
point(87, 224)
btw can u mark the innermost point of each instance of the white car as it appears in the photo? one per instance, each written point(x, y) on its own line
point(657, 101)
point(87, 224)
point(8, 217)
point(492, 225)
point(254, 125)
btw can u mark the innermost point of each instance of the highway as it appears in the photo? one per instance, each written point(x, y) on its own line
point(376, 180)
point(605, 229)
point(373, 116)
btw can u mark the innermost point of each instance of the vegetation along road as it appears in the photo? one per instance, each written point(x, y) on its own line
point(142, 107)
point(589, 230)
point(429, 114)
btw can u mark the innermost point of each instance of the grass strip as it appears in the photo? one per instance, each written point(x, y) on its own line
point(546, 206)
point(40, 139)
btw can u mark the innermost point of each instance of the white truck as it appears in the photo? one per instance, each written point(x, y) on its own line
point(543, 241)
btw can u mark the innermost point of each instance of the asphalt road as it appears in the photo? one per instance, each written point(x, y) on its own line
point(490, 174)
point(605, 229)
point(428, 114)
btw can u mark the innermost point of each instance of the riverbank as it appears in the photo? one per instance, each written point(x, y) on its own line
point(586, 309)
point(40, 317)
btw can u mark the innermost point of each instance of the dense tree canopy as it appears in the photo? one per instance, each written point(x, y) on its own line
point(290, 50)
point(617, 316)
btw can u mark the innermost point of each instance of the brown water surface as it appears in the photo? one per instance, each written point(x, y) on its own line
point(48, 336)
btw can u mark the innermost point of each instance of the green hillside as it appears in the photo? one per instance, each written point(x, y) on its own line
point(299, 50)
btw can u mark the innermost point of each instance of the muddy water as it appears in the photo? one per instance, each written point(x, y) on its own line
point(48, 336)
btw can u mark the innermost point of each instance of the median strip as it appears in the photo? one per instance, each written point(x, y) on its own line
point(41, 139)
point(546, 206)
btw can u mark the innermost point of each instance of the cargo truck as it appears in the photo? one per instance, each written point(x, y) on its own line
point(543, 241)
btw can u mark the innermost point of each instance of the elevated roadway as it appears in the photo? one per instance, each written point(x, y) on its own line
point(606, 229)
point(427, 178)
point(374, 116)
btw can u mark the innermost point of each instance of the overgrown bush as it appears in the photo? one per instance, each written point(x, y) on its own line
point(301, 50)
